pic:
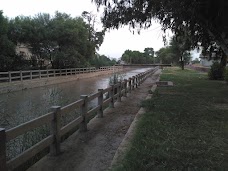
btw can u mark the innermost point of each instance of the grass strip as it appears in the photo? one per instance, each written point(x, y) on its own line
point(185, 126)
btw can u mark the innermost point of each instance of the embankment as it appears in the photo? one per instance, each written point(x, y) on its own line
point(27, 84)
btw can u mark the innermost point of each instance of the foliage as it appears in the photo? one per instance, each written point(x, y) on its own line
point(187, 133)
point(115, 78)
point(136, 57)
point(202, 21)
point(8, 59)
point(216, 71)
point(102, 60)
point(165, 55)
point(61, 40)
point(177, 52)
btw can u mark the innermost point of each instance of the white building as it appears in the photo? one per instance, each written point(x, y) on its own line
point(206, 61)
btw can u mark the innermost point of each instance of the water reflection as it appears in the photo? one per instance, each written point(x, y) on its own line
point(21, 106)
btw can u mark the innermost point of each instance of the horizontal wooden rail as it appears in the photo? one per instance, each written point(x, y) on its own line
point(72, 106)
point(53, 118)
point(93, 96)
point(107, 89)
point(25, 127)
point(26, 155)
point(71, 125)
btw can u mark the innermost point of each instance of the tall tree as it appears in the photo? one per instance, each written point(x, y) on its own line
point(95, 37)
point(177, 52)
point(136, 57)
point(202, 20)
point(180, 47)
point(149, 55)
point(8, 58)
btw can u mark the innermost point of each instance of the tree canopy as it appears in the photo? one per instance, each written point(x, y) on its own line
point(203, 21)
point(136, 57)
point(177, 52)
point(62, 40)
point(8, 57)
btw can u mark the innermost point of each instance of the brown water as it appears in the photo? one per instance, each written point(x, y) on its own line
point(19, 107)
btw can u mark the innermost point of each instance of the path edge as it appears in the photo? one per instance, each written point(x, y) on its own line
point(126, 142)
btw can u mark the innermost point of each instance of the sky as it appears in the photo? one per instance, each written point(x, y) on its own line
point(115, 41)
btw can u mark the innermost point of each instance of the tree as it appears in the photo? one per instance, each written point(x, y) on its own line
point(149, 55)
point(60, 39)
point(177, 52)
point(8, 58)
point(180, 46)
point(203, 20)
point(165, 56)
point(136, 57)
point(36, 34)
point(95, 37)
point(102, 60)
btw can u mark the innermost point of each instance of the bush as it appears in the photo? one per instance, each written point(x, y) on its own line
point(216, 72)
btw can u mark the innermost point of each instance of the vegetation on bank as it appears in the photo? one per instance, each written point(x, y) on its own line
point(42, 41)
point(184, 127)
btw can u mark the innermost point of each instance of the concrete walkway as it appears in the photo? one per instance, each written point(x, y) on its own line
point(94, 150)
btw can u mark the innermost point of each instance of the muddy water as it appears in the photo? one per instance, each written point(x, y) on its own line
point(19, 107)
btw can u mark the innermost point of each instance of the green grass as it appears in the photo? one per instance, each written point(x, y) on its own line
point(185, 126)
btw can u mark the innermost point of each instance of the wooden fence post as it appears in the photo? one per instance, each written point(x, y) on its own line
point(119, 92)
point(129, 85)
point(21, 76)
point(139, 79)
point(10, 77)
point(125, 87)
point(136, 81)
point(56, 125)
point(133, 82)
point(30, 75)
point(3, 166)
point(100, 103)
point(111, 104)
point(39, 74)
point(84, 109)
point(47, 73)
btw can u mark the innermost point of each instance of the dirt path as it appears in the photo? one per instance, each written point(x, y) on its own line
point(95, 149)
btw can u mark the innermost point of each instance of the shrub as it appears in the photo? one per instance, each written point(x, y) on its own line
point(216, 72)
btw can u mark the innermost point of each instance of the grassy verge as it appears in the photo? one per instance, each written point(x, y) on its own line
point(185, 126)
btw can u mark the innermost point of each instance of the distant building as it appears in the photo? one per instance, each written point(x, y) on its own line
point(122, 62)
point(23, 50)
point(207, 60)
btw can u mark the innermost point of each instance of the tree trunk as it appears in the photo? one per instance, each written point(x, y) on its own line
point(223, 61)
point(182, 65)
point(182, 62)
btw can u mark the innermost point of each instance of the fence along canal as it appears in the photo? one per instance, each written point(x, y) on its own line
point(34, 74)
point(53, 119)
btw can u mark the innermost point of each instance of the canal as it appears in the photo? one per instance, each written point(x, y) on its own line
point(21, 106)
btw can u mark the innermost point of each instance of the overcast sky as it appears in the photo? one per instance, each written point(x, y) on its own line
point(115, 41)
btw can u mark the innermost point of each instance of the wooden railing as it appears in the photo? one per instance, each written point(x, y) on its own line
point(34, 74)
point(54, 119)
